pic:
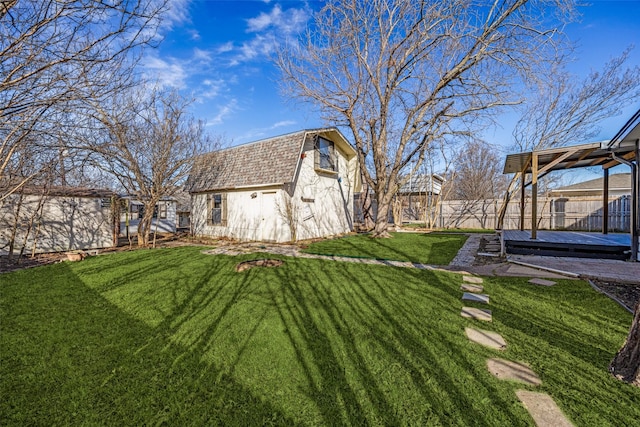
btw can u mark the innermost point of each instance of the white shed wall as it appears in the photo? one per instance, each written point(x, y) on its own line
point(65, 223)
point(321, 206)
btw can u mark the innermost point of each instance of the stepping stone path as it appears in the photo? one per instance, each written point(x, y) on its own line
point(543, 409)
point(471, 288)
point(542, 282)
point(476, 313)
point(483, 298)
point(486, 338)
point(508, 370)
point(472, 279)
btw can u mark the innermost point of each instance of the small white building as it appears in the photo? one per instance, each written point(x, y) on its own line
point(55, 219)
point(164, 216)
point(291, 187)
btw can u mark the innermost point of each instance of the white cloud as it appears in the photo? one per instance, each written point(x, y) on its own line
point(270, 29)
point(168, 73)
point(195, 35)
point(227, 47)
point(282, 123)
point(287, 22)
point(223, 112)
point(201, 55)
point(177, 12)
point(212, 88)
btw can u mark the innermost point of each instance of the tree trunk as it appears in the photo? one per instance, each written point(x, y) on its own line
point(382, 219)
point(626, 365)
point(367, 211)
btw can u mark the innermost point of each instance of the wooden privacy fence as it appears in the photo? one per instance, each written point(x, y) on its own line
point(554, 213)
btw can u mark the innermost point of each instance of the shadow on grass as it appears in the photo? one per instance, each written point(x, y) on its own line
point(80, 360)
point(180, 338)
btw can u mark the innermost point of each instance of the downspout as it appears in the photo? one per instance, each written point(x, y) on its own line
point(634, 202)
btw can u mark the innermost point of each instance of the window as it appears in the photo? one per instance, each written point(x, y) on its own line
point(325, 155)
point(217, 209)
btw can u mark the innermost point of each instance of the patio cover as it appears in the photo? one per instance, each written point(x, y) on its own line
point(621, 149)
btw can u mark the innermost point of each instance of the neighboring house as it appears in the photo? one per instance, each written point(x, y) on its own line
point(58, 219)
point(579, 206)
point(619, 185)
point(164, 216)
point(291, 187)
point(419, 196)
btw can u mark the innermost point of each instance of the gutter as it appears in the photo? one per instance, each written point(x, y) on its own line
point(634, 198)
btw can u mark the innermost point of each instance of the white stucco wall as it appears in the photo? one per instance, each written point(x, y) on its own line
point(321, 206)
point(65, 223)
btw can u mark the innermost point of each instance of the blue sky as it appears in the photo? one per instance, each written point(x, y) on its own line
point(218, 51)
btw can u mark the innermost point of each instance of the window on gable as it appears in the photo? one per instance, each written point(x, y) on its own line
point(217, 209)
point(325, 155)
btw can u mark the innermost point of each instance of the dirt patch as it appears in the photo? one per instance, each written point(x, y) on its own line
point(258, 263)
point(19, 263)
point(627, 293)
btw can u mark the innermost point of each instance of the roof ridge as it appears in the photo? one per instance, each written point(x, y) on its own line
point(271, 138)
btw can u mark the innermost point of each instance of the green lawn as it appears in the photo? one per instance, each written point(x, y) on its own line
point(175, 337)
point(425, 248)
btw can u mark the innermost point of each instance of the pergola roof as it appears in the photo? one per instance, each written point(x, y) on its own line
point(576, 156)
point(579, 156)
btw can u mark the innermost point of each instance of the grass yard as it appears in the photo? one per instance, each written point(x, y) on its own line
point(427, 248)
point(175, 337)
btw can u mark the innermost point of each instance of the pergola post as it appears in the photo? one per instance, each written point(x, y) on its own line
point(522, 193)
point(605, 203)
point(635, 203)
point(534, 196)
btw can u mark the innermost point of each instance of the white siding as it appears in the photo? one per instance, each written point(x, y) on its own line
point(321, 206)
point(65, 223)
point(163, 225)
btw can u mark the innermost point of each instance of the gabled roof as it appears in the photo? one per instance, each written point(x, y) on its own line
point(619, 181)
point(267, 162)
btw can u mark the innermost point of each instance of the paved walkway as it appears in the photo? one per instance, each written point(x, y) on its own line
point(514, 266)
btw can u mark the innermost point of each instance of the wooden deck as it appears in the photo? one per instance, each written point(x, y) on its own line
point(568, 243)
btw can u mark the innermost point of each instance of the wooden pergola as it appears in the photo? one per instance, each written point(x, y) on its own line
point(621, 149)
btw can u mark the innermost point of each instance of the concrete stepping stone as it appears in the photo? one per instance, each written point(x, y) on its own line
point(514, 371)
point(471, 288)
point(542, 282)
point(472, 279)
point(483, 298)
point(486, 338)
point(543, 409)
point(476, 313)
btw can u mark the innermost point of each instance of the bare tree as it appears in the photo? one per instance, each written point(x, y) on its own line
point(566, 110)
point(402, 74)
point(56, 53)
point(626, 364)
point(148, 144)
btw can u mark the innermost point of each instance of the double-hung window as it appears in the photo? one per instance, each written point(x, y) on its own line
point(325, 155)
point(216, 212)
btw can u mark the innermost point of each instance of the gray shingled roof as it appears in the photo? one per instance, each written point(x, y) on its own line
point(269, 161)
point(620, 181)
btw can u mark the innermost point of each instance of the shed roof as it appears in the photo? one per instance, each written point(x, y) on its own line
point(65, 191)
point(271, 161)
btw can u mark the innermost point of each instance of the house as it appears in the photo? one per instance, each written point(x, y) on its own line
point(619, 185)
point(55, 219)
point(419, 195)
point(164, 216)
point(580, 206)
point(291, 187)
